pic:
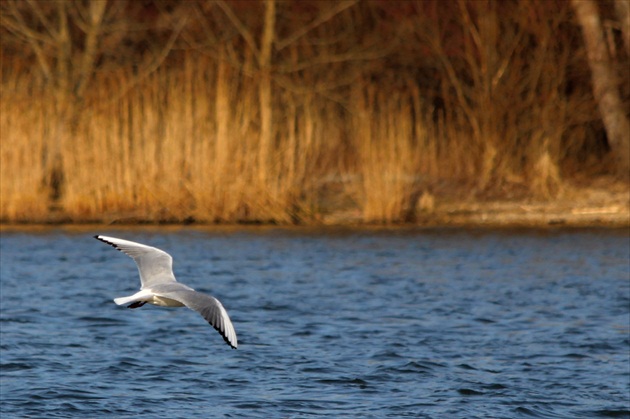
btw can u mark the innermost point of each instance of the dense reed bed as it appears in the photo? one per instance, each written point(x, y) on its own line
point(182, 145)
point(201, 139)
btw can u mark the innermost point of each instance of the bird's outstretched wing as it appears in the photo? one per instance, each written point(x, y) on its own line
point(210, 309)
point(154, 265)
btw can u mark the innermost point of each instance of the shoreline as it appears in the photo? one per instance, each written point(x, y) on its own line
point(594, 206)
point(475, 216)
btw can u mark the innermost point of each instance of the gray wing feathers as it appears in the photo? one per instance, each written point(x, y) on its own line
point(210, 309)
point(154, 265)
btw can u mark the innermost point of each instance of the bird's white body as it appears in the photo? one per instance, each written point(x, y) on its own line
point(148, 297)
point(159, 287)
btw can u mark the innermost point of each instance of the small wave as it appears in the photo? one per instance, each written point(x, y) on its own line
point(102, 321)
point(345, 381)
point(612, 413)
point(15, 366)
point(470, 392)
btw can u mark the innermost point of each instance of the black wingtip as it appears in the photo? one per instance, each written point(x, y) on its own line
point(223, 335)
point(115, 246)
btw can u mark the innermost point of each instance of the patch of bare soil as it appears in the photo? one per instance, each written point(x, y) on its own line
point(597, 203)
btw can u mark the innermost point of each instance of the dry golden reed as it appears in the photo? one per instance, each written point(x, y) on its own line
point(23, 133)
point(184, 144)
point(269, 118)
point(388, 141)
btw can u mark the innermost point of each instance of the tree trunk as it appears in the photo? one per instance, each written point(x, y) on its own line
point(622, 7)
point(605, 87)
point(93, 32)
point(265, 95)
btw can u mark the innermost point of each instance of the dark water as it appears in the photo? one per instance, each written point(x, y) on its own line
point(354, 324)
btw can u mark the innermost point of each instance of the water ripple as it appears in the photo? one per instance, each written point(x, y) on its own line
point(354, 324)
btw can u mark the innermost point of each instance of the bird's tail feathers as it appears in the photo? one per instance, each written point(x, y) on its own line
point(139, 296)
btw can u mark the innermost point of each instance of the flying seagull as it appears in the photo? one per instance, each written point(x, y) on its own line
point(159, 287)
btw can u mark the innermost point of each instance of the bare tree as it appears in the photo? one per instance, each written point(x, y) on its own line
point(68, 39)
point(268, 66)
point(66, 66)
point(605, 84)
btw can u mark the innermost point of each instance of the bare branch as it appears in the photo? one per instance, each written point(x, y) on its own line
point(363, 55)
point(154, 66)
point(93, 22)
point(42, 17)
point(269, 31)
point(327, 15)
point(245, 33)
point(20, 29)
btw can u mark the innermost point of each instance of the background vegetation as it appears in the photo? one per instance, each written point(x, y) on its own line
point(285, 111)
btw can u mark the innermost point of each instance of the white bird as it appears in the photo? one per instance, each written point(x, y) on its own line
point(159, 287)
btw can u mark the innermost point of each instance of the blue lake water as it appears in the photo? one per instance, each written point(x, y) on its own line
point(344, 324)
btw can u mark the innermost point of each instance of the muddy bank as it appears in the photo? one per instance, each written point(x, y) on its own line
point(596, 205)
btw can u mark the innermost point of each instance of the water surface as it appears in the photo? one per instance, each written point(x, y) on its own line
point(350, 324)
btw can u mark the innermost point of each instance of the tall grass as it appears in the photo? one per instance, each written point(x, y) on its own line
point(190, 141)
point(389, 136)
point(24, 134)
point(183, 145)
